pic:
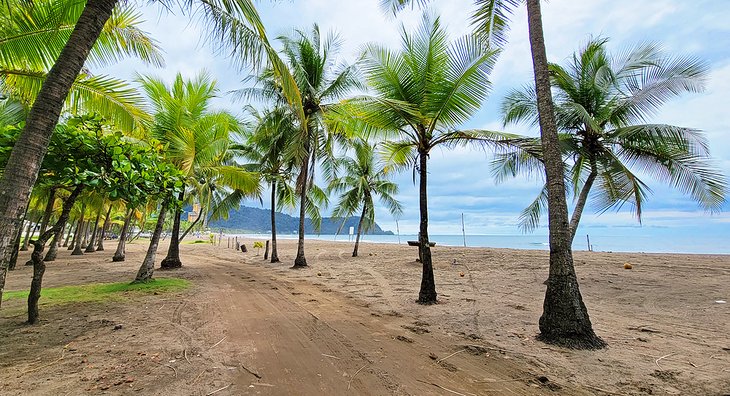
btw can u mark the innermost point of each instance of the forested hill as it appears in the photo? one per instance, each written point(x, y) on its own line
point(259, 221)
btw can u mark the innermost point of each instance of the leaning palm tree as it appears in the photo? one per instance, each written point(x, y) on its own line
point(197, 141)
point(363, 179)
point(421, 94)
point(602, 105)
point(234, 25)
point(565, 319)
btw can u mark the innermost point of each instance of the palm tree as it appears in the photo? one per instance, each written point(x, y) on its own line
point(602, 103)
point(422, 93)
point(320, 82)
point(234, 24)
point(31, 38)
point(197, 141)
point(363, 179)
point(565, 318)
point(271, 132)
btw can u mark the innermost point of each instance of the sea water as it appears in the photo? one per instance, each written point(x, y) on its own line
point(604, 240)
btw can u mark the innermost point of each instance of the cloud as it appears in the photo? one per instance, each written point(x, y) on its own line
point(460, 179)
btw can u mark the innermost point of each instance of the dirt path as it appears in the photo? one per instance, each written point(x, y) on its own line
point(350, 326)
point(301, 338)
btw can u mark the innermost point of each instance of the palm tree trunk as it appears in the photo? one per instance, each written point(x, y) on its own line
point(274, 252)
point(14, 257)
point(39, 266)
point(581, 203)
point(359, 230)
point(564, 320)
point(85, 234)
point(58, 242)
point(147, 269)
point(22, 168)
point(300, 261)
point(173, 251)
point(53, 248)
point(427, 294)
point(68, 235)
point(29, 230)
point(190, 227)
point(90, 248)
point(100, 245)
point(13, 261)
point(79, 231)
point(75, 237)
point(16, 249)
point(49, 210)
point(119, 254)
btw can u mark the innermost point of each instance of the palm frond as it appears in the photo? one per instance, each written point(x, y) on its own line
point(491, 20)
point(530, 216)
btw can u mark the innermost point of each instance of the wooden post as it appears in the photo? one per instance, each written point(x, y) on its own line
point(588, 239)
point(266, 252)
point(463, 233)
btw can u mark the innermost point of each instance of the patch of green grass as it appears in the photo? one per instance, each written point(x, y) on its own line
point(101, 291)
point(195, 242)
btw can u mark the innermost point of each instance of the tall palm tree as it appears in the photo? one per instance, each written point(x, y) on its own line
point(197, 141)
point(234, 24)
point(422, 93)
point(362, 181)
point(319, 82)
point(602, 104)
point(565, 319)
point(271, 132)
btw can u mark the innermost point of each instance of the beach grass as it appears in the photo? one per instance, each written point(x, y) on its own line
point(101, 291)
point(196, 241)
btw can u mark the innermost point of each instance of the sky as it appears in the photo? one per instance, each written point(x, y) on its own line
point(460, 180)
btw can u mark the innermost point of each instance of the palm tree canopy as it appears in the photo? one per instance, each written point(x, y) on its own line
point(199, 141)
point(321, 81)
point(363, 179)
point(267, 136)
point(490, 18)
point(423, 92)
point(603, 103)
point(32, 36)
point(320, 78)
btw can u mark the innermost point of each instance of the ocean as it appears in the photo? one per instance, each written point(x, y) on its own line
point(604, 240)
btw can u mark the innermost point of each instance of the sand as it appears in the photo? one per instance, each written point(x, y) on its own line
point(351, 326)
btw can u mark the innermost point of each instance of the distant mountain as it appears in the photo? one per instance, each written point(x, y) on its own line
point(256, 220)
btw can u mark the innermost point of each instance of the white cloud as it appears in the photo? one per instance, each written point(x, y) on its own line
point(459, 179)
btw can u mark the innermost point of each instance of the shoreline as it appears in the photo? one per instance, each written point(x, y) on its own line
point(538, 247)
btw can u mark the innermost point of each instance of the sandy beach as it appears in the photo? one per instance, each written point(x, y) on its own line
point(350, 326)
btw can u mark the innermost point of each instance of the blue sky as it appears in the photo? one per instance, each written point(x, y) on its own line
point(459, 180)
